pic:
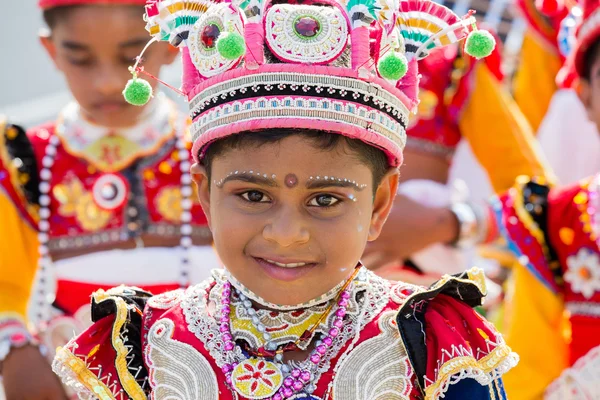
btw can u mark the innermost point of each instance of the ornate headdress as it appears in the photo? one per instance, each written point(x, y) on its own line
point(346, 66)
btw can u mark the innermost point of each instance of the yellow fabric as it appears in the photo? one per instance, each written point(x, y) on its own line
point(499, 134)
point(18, 258)
point(534, 82)
point(534, 326)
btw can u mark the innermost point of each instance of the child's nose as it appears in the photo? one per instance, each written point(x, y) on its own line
point(287, 228)
point(110, 80)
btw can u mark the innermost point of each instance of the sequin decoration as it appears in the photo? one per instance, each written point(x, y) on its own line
point(291, 180)
point(306, 34)
point(110, 191)
point(256, 379)
point(203, 38)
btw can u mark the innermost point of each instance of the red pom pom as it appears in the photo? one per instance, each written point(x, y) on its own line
point(549, 8)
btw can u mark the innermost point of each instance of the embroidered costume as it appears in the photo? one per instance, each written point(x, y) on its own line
point(89, 207)
point(349, 68)
point(555, 299)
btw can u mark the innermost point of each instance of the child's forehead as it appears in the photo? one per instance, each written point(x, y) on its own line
point(99, 20)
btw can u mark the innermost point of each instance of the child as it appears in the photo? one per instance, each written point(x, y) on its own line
point(299, 125)
point(104, 192)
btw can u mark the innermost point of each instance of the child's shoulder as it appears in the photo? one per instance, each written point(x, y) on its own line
point(445, 338)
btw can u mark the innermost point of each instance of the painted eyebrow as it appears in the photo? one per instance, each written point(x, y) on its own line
point(247, 177)
point(323, 184)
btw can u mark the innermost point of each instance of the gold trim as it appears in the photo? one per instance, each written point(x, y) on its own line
point(128, 382)
point(83, 375)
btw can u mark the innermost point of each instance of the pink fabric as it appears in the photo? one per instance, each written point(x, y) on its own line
point(392, 150)
point(409, 85)
point(191, 77)
point(255, 39)
point(360, 48)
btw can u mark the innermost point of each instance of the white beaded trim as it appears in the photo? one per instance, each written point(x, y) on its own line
point(301, 108)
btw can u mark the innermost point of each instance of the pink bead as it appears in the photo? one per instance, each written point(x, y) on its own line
point(287, 382)
point(287, 392)
point(345, 294)
point(343, 302)
point(315, 358)
point(322, 349)
point(333, 332)
point(225, 318)
point(229, 346)
point(226, 310)
point(227, 368)
point(227, 337)
point(277, 396)
point(340, 312)
point(296, 373)
point(305, 376)
point(338, 323)
point(226, 293)
point(298, 385)
point(228, 379)
point(224, 327)
point(327, 340)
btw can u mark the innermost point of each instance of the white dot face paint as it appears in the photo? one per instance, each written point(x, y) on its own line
point(360, 228)
point(222, 181)
point(327, 178)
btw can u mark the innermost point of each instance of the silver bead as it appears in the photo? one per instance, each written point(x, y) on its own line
point(267, 336)
point(186, 191)
point(279, 357)
point(255, 320)
point(247, 303)
point(45, 174)
point(285, 369)
point(186, 229)
point(186, 216)
point(51, 150)
point(271, 346)
point(310, 388)
point(47, 161)
point(44, 187)
point(44, 200)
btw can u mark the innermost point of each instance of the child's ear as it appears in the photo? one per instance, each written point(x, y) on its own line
point(584, 91)
point(48, 44)
point(200, 177)
point(383, 202)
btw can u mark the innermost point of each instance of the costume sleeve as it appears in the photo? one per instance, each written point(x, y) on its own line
point(106, 360)
point(534, 83)
point(448, 343)
point(534, 308)
point(19, 244)
point(497, 131)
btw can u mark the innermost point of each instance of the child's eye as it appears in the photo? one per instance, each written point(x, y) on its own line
point(81, 63)
point(254, 196)
point(323, 200)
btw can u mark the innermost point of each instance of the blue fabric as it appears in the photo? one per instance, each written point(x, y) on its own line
point(470, 389)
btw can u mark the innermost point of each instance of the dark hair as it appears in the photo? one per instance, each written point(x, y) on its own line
point(589, 58)
point(371, 156)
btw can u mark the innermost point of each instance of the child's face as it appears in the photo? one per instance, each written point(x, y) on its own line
point(264, 208)
point(94, 46)
point(589, 91)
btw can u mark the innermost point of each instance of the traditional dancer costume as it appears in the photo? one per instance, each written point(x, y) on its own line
point(91, 207)
point(555, 302)
point(303, 65)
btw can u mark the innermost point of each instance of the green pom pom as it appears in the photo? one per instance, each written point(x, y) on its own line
point(137, 92)
point(480, 44)
point(231, 45)
point(393, 66)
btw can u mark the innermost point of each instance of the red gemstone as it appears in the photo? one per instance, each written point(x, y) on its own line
point(307, 27)
point(209, 35)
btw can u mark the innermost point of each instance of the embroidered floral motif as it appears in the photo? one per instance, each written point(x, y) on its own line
point(256, 379)
point(306, 34)
point(168, 203)
point(583, 273)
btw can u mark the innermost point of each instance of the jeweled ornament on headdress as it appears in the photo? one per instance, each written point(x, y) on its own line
point(348, 67)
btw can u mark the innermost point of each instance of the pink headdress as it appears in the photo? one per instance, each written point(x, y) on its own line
point(345, 66)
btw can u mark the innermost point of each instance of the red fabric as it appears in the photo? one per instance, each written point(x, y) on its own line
point(68, 168)
point(453, 329)
point(543, 19)
point(46, 4)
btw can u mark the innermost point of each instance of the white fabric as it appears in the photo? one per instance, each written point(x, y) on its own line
point(437, 259)
point(570, 141)
point(137, 267)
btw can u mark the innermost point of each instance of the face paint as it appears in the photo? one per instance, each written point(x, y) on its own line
point(326, 178)
point(220, 183)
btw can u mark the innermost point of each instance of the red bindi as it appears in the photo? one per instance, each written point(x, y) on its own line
point(291, 180)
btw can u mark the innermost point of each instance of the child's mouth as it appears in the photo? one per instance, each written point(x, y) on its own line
point(288, 271)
